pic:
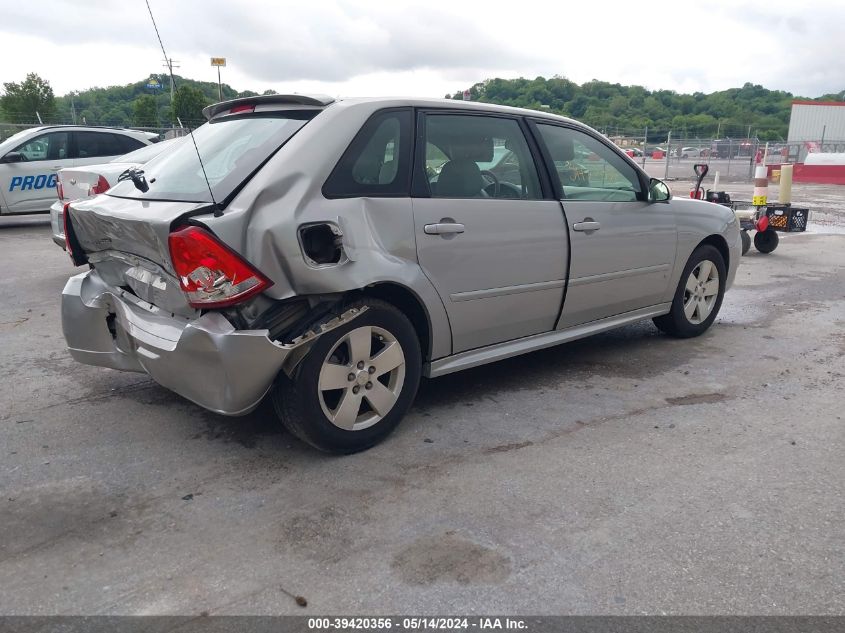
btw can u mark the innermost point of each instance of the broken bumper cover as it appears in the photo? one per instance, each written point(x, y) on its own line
point(205, 360)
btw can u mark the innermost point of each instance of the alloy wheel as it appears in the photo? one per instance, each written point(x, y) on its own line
point(701, 292)
point(361, 378)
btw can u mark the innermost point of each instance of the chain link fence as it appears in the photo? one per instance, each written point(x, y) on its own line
point(733, 158)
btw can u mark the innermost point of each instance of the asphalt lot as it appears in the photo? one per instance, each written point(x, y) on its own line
point(627, 473)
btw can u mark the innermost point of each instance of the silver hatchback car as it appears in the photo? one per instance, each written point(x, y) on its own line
point(330, 253)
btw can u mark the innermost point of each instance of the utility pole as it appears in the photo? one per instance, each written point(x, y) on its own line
point(668, 151)
point(645, 144)
point(170, 64)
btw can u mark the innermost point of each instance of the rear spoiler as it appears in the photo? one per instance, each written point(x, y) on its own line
point(307, 100)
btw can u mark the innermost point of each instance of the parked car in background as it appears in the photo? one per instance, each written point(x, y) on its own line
point(687, 152)
point(75, 183)
point(30, 159)
point(325, 264)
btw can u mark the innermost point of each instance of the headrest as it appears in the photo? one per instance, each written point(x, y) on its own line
point(459, 178)
point(473, 147)
point(562, 149)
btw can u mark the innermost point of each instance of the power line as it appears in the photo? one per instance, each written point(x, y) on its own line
point(217, 211)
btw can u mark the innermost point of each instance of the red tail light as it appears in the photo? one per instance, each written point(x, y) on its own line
point(243, 108)
point(210, 273)
point(101, 187)
point(60, 190)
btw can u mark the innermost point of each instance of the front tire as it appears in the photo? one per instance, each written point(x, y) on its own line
point(355, 384)
point(698, 296)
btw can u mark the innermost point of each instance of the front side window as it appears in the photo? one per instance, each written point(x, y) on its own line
point(377, 162)
point(52, 146)
point(468, 156)
point(587, 169)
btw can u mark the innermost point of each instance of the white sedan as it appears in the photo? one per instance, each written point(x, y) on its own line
point(76, 183)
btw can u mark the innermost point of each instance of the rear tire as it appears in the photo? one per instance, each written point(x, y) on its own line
point(698, 296)
point(324, 407)
point(766, 241)
point(746, 241)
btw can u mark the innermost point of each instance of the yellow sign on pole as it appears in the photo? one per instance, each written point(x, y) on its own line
point(218, 61)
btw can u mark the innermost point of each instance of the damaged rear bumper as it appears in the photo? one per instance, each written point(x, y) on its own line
point(205, 360)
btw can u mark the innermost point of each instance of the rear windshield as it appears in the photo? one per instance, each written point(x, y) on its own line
point(232, 149)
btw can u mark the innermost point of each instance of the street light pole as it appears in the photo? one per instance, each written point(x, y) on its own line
point(219, 61)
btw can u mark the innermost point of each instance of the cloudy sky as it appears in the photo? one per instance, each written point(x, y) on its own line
point(392, 47)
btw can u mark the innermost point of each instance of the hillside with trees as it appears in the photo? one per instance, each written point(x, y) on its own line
point(628, 110)
point(134, 104)
point(610, 107)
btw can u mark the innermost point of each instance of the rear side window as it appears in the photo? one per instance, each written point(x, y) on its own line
point(127, 143)
point(94, 144)
point(378, 161)
point(473, 156)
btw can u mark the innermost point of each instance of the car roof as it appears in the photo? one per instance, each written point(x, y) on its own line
point(323, 101)
point(455, 104)
point(88, 128)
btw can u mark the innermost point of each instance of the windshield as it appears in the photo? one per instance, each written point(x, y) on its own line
point(231, 150)
point(146, 153)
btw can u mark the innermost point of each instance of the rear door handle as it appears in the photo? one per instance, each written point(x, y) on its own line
point(586, 225)
point(444, 228)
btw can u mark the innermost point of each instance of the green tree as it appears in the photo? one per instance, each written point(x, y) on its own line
point(188, 103)
point(145, 111)
point(22, 100)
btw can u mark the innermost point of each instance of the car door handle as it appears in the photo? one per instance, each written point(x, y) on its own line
point(586, 225)
point(444, 228)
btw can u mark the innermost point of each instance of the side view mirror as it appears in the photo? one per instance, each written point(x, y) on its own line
point(13, 157)
point(658, 191)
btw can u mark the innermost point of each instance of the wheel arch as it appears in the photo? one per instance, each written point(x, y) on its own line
point(410, 304)
point(720, 244)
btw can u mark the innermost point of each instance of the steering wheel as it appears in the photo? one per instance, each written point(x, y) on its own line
point(486, 173)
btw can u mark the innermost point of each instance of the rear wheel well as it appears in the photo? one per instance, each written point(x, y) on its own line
point(719, 243)
point(410, 305)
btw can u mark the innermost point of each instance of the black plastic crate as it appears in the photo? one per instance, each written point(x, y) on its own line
point(787, 218)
